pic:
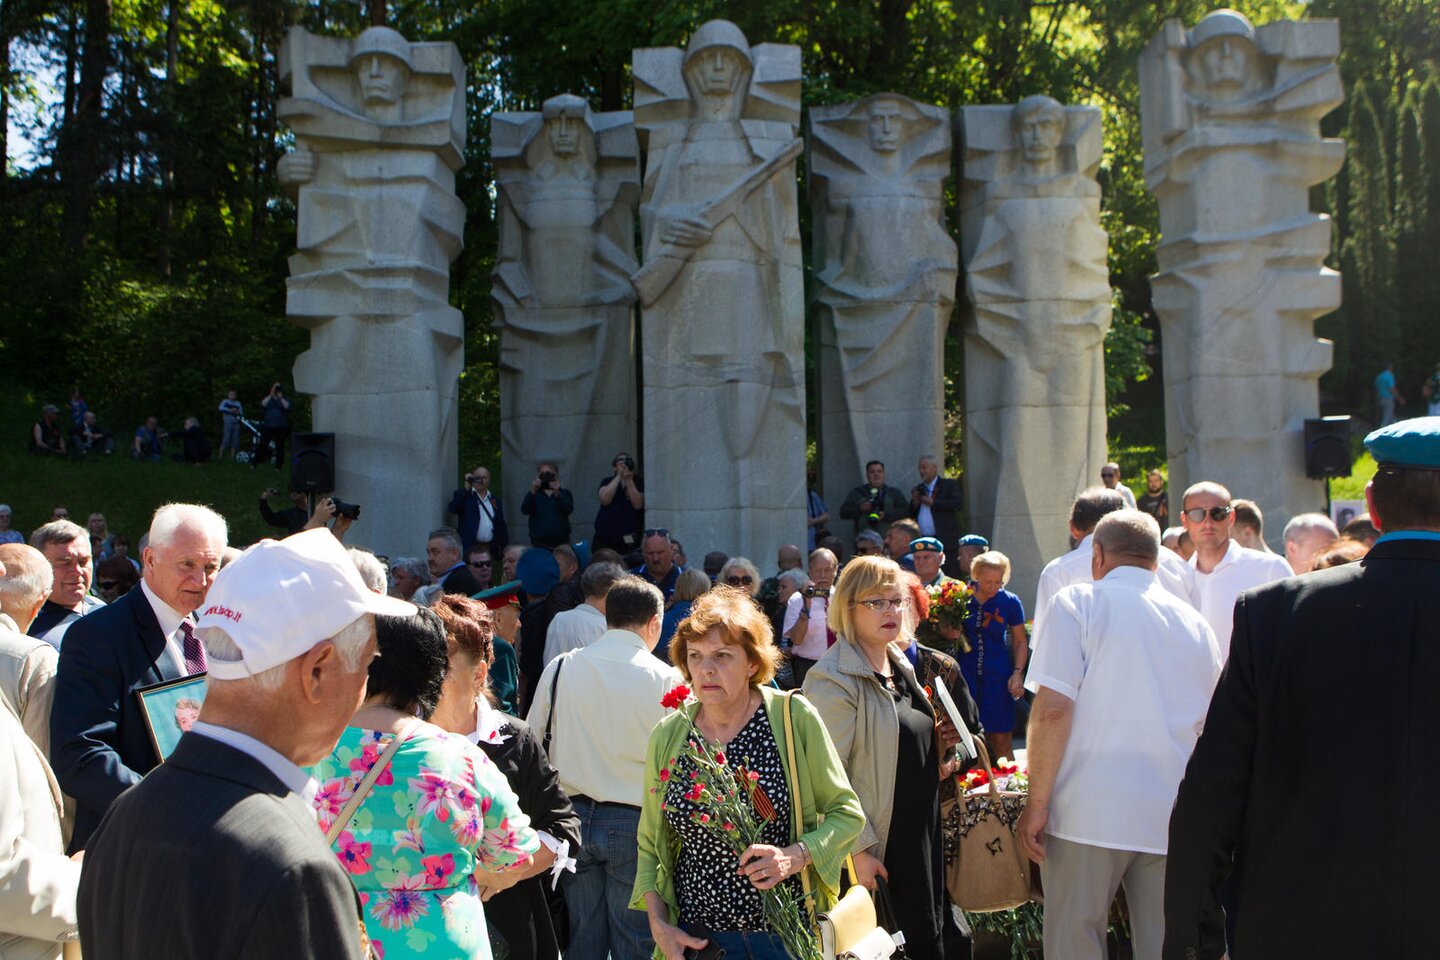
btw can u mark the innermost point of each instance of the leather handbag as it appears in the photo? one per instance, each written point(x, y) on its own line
point(985, 869)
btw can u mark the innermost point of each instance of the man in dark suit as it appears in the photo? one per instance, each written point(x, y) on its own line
point(935, 505)
point(1331, 667)
point(216, 854)
point(873, 505)
point(479, 515)
point(447, 563)
point(99, 744)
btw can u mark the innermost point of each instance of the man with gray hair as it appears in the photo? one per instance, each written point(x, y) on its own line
point(1108, 642)
point(289, 633)
point(27, 664)
point(99, 742)
point(583, 625)
point(1306, 535)
point(447, 563)
point(67, 546)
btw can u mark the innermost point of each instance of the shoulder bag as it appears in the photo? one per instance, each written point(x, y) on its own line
point(342, 820)
point(985, 869)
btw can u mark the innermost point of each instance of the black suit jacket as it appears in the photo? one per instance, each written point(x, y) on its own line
point(949, 499)
point(1333, 666)
point(465, 504)
point(99, 746)
point(212, 857)
point(462, 581)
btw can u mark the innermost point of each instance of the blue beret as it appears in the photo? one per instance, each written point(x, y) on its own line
point(930, 544)
point(538, 572)
point(974, 540)
point(1407, 443)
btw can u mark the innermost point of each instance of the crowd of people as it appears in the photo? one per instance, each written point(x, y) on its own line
point(427, 756)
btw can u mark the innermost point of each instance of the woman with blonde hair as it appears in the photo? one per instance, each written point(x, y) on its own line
point(884, 730)
point(692, 886)
point(689, 585)
point(996, 681)
point(741, 574)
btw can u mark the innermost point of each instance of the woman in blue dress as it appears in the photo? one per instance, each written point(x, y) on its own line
point(995, 673)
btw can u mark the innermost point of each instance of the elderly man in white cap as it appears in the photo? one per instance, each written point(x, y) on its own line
point(217, 851)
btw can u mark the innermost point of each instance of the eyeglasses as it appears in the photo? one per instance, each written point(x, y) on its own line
point(658, 532)
point(1197, 514)
point(883, 604)
point(479, 563)
point(739, 581)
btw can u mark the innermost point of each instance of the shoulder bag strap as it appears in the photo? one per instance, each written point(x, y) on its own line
point(363, 790)
point(550, 717)
point(797, 812)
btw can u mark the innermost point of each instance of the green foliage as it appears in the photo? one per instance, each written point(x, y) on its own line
point(1125, 360)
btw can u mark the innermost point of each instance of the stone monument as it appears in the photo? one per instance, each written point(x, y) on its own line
point(721, 292)
point(379, 126)
point(1230, 119)
point(567, 182)
point(885, 271)
point(1039, 291)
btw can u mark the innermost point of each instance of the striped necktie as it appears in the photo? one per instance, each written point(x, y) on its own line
point(193, 649)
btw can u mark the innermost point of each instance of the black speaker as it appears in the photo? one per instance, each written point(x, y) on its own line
point(312, 463)
point(1327, 447)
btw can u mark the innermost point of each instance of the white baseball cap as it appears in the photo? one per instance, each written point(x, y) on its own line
point(281, 597)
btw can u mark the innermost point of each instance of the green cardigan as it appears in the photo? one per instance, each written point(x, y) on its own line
point(832, 811)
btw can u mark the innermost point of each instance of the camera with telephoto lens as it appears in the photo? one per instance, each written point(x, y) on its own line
point(814, 591)
point(874, 515)
point(547, 476)
point(350, 511)
point(629, 463)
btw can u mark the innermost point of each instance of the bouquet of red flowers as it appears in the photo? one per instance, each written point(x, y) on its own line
point(949, 606)
point(735, 809)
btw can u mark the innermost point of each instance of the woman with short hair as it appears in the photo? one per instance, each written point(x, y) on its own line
point(687, 880)
point(688, 586)
point(440, 829)
point(996, 681)
point(741, 574)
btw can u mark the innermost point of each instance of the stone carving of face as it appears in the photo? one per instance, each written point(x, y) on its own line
point(382, 79)
point(1226, 64)
point(887, 123)
point(717, 71)
point(564, 132)
point(1040, 131)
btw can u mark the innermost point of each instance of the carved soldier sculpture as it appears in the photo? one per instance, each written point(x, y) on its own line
point(1230, 119)
point(568, 181)
point(379, 126)
point(721, 291)
point(885, 271)
point(1039, 290)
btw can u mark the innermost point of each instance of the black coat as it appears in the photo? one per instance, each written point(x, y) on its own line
point(1316, 771)
point(461, 581)
point(949, 499)
point(99, 743)
point(465, 504)
point(212, 858)
point(522, 913)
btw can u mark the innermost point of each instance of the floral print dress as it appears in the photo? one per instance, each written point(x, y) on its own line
point(440, 812)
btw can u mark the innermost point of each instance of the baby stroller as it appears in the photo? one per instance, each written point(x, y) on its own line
point(245, 456)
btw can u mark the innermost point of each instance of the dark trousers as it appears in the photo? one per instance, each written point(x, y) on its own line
point(269, 435)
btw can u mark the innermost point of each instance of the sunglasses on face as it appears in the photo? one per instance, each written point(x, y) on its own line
point(479, 563)
point(658, 532)
point(739, 581)
point(1197, 514)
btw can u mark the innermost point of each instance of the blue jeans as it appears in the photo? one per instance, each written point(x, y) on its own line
point(740, 945)
point(597, 894)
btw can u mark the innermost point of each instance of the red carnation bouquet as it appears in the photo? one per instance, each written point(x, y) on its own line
point(1008, 776)
point(735, 809)
point(949, 606)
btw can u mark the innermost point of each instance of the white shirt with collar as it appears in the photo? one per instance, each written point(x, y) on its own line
point(1174, 574)
point(170, 620)
point(573, 630)
point(923, 517)
point(1140, 666)
point(606, 704)
point(294, 779)
point(485, 525)
point(1239, 570)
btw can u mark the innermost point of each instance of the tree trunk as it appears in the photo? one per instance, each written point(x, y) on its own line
point(5, 14)
point(167, 149)
point(377, 13)
point(83, 161)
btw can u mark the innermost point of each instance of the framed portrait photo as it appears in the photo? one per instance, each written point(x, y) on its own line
point(1343, 511)
point(170, 708)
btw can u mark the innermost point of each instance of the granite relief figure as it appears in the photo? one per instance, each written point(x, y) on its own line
point(379, 126)
point(1039, 293)
point(885, 270)
point(1230, 119)
point(567, 184)
point(721, 291)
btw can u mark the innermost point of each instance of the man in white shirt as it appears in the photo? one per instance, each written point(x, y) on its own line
point(582, 626)
point(600, 704)
point(1173, 573)
point(805, 626)
point(1110, 476)
point(1223, 568)
point(1305, 536)
point(1122, 685)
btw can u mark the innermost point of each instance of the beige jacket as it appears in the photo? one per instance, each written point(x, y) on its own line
point(860, 716)
point(37, 881)
point(27, 682)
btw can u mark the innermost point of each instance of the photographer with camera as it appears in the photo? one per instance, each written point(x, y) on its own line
point(873, 505)
point(807, 636)
point(621, 516)
point(329, 509)
point(548, 505)
point(292, 519)
point(274, 426)
point(479, 517)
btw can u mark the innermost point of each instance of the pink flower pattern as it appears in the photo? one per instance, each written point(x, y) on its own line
point(354, 855)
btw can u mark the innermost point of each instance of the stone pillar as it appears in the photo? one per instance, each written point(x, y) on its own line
point(567, 182)
point(379, 126)
point(722, 293)
point(1230, 117)
point(1039, 290)
point(885, 270)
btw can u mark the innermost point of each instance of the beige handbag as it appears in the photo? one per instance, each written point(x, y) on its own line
point(985, 869)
